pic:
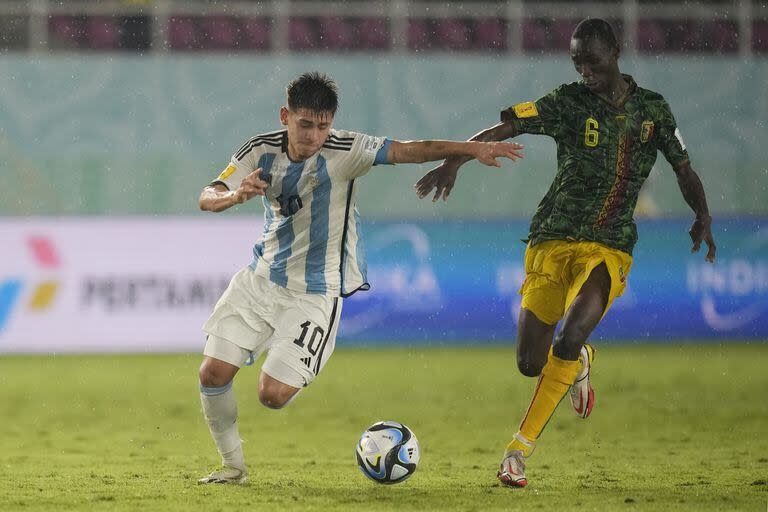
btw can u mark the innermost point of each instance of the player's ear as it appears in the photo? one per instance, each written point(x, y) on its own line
point(284, 116)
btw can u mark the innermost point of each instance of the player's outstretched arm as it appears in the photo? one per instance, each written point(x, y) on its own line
point(443, 177)
point(693, 193)
point(217, 198)
point(417, 152)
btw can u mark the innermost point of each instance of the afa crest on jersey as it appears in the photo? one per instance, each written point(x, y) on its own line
point(313, 181)
point(646, 131)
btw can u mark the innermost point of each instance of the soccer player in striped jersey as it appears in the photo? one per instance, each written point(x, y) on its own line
point(287, 302)
point(608, 132)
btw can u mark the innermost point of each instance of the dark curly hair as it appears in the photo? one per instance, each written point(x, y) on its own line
point(596, 28)
point(313, 91)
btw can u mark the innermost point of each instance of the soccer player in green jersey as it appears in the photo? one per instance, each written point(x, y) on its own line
point(608, 131)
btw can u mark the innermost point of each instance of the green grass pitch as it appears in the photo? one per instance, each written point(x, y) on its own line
point(681, 427)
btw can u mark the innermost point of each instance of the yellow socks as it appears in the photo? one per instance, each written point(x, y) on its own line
point(556, 377)
point(520, 443)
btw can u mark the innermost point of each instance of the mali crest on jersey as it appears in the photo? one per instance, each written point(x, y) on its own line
point(646, 131)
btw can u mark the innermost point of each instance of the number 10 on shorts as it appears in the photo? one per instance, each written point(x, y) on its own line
point(315, 343)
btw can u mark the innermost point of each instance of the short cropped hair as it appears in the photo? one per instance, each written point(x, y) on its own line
point(313, 91)
point(596, 28)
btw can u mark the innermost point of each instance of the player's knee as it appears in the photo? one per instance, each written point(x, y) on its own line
point(528, 366)
point(211, 377)
point(274, 398)
point(271, 402)
point(275, 395)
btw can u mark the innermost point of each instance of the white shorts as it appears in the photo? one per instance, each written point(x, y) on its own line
point(297, 330)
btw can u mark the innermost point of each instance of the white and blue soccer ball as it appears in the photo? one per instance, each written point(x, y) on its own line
point(388, 452)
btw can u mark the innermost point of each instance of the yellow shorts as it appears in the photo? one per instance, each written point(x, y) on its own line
point(556, 270)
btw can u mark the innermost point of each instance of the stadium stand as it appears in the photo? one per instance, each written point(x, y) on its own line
point(714, 27)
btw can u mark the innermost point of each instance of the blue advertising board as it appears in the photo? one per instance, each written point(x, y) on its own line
point(458, 281)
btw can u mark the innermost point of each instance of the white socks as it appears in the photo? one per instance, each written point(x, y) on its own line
point(220, 411)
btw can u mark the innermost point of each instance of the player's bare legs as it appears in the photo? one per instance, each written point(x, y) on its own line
point(579, 322)
point(584, 314)
point(560, 372)
point(220, 410)
point(275, 394)
point(534, 338)
point(215, 373)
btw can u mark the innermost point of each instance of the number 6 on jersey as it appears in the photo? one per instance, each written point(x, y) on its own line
point(591, 135)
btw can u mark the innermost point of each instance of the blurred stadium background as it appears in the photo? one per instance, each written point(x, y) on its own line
point(116, 113)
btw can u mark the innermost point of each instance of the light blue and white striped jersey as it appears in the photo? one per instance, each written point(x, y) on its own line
point(312, 241)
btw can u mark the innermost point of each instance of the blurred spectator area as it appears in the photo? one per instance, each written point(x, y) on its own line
point(536, 27)
point(99, 32)
point(339, 33)
point(218, 32)
point(457, 34)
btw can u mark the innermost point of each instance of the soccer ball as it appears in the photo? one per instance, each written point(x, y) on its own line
point(388, 452)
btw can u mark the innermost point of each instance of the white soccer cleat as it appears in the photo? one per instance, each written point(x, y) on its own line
point(225, 475)
point(512, 470)
point(582, 394)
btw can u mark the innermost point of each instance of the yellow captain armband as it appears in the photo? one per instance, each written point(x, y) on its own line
point(226, 173)
point(527, 109)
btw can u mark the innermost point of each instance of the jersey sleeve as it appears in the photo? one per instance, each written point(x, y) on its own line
point(540, 117)
point(383, 153)
point(362, 156)
point(670, 141)
point(240, 166)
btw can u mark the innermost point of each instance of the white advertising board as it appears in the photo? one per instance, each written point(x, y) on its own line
point(116, 284)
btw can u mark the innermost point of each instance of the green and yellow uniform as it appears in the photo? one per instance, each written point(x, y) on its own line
point(604, 155)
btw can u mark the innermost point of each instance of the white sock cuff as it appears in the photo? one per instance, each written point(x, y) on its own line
point(215, 391)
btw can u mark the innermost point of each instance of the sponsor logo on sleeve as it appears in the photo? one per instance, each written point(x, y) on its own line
point(527, 109)
point(373, 143)
point(226, 173)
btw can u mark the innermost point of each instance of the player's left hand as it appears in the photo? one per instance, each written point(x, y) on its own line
point(701, 230)
point(250, 187)
point(441, 178)
point(488, 152)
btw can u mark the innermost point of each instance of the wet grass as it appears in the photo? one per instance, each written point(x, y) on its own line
point(675, 428)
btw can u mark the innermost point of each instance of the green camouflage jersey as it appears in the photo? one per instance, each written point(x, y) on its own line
point(604, 154)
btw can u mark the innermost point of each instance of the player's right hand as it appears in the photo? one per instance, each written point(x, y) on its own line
point(441, 178)
point(251, 186)
point(487, 152)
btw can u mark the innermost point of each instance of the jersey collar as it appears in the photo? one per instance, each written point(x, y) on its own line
point(619, 105)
